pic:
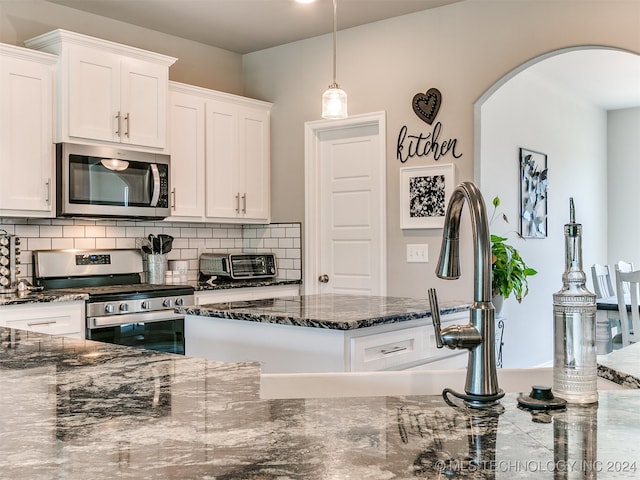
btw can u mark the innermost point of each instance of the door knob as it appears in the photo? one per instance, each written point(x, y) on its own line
point(324, 278)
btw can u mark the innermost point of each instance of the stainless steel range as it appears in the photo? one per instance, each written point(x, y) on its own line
point(120, 308)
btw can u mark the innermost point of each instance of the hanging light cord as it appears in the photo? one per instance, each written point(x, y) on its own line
point(335, 28)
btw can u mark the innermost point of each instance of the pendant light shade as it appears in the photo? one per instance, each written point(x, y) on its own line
point(334, 99)
point(334, 102)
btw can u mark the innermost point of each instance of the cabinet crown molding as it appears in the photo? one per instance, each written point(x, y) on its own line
point(22, 53)
point(56, 40)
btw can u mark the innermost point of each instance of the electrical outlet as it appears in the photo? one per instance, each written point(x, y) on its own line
point(418, 253)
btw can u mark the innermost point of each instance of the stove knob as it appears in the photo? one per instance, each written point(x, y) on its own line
point(124, 307)
point(146, 305)
point(167, 303)
point(108, 308)
point(179, 301)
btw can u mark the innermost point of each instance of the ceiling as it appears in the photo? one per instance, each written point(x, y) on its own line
point(245, 26)
point(608, 78)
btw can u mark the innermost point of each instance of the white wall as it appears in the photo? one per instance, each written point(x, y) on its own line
point(624, 178)
point(529, 112)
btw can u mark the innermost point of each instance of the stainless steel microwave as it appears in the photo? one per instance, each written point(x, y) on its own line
point(111, 182)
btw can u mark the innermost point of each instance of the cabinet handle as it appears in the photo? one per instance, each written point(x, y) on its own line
point(173, 199)
point(47, 194)
point(48, 322)
point(118, 123)
point(393, 350)
point(238, 202)
point(127, 118)
point(244, 203)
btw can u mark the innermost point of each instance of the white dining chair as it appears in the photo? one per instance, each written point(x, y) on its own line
point(625, 267)
point(601, 277)
point(628, 304)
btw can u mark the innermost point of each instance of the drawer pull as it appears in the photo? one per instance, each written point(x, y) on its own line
point(393, 350)
point(48, 322)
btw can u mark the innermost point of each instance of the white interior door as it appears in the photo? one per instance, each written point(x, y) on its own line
point(345, 247)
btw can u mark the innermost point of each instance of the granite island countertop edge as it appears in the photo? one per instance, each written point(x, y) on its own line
point(264, 311)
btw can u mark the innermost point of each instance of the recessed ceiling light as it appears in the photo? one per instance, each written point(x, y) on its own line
point(305, 1)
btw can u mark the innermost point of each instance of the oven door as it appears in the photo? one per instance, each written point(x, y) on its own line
point(160, 331)
point(106, 182)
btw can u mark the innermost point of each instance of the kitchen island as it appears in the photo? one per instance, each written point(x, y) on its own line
point(323, 333)
point(77, 409)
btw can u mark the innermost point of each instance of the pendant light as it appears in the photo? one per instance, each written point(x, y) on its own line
point(334, 99)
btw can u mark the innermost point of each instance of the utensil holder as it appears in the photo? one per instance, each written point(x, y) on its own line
point(156, 266)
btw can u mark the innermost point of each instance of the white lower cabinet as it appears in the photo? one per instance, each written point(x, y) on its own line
point(294, 349)
point(53, 318)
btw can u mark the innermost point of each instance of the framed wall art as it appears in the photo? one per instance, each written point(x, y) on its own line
point(533, 194)
point(424, 195)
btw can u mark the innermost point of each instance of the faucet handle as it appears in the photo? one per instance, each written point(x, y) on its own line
point(435, 316)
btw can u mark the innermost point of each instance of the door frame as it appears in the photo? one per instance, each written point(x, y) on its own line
point(312, 178)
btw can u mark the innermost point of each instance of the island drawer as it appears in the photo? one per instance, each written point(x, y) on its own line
point(388, 350)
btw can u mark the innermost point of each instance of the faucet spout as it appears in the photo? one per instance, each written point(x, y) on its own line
point(449, 262)
point(478, 336)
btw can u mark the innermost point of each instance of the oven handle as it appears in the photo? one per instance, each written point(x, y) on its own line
point(125, 319)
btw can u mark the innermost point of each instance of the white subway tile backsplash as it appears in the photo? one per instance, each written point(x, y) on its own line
point(61, 243)
point(50, 231)
point(97, 231)
point(212, 244)
point(36, 244)
point(73, 231)
point(134, 232)
point(125, 243)
point(190, 240)
point(106, 243)
point(84, 243)
point(26, 231)
point(112, 231)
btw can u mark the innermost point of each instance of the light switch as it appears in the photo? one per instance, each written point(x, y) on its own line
point(418, 253)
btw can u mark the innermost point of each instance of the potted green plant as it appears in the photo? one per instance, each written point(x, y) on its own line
point(509, 272)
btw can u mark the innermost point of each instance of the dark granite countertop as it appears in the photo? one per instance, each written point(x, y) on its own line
point(621, 366)
point(69, 295)
point(77, 409)
point(333, 311)
point(223, 284)
point(41, 297)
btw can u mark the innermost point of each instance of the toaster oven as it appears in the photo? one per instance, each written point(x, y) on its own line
point(239, 265)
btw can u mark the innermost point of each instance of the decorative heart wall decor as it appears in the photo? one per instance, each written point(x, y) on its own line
point(427, 105)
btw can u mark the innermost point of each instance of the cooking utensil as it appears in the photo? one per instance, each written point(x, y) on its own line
point(166, 242)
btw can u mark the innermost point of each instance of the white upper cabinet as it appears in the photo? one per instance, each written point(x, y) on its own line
point(108, 92)
point(27, 155)
point(238, 161)
point(219, 156)
point(186, 137)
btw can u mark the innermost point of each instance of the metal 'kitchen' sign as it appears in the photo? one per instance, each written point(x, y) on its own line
point(426, 106)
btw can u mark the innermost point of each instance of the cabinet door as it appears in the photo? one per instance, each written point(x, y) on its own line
point(26, 138)
point(254, 164)
point(222, 168)
point(187, 156)
point(94, 95)
point(143, 103)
